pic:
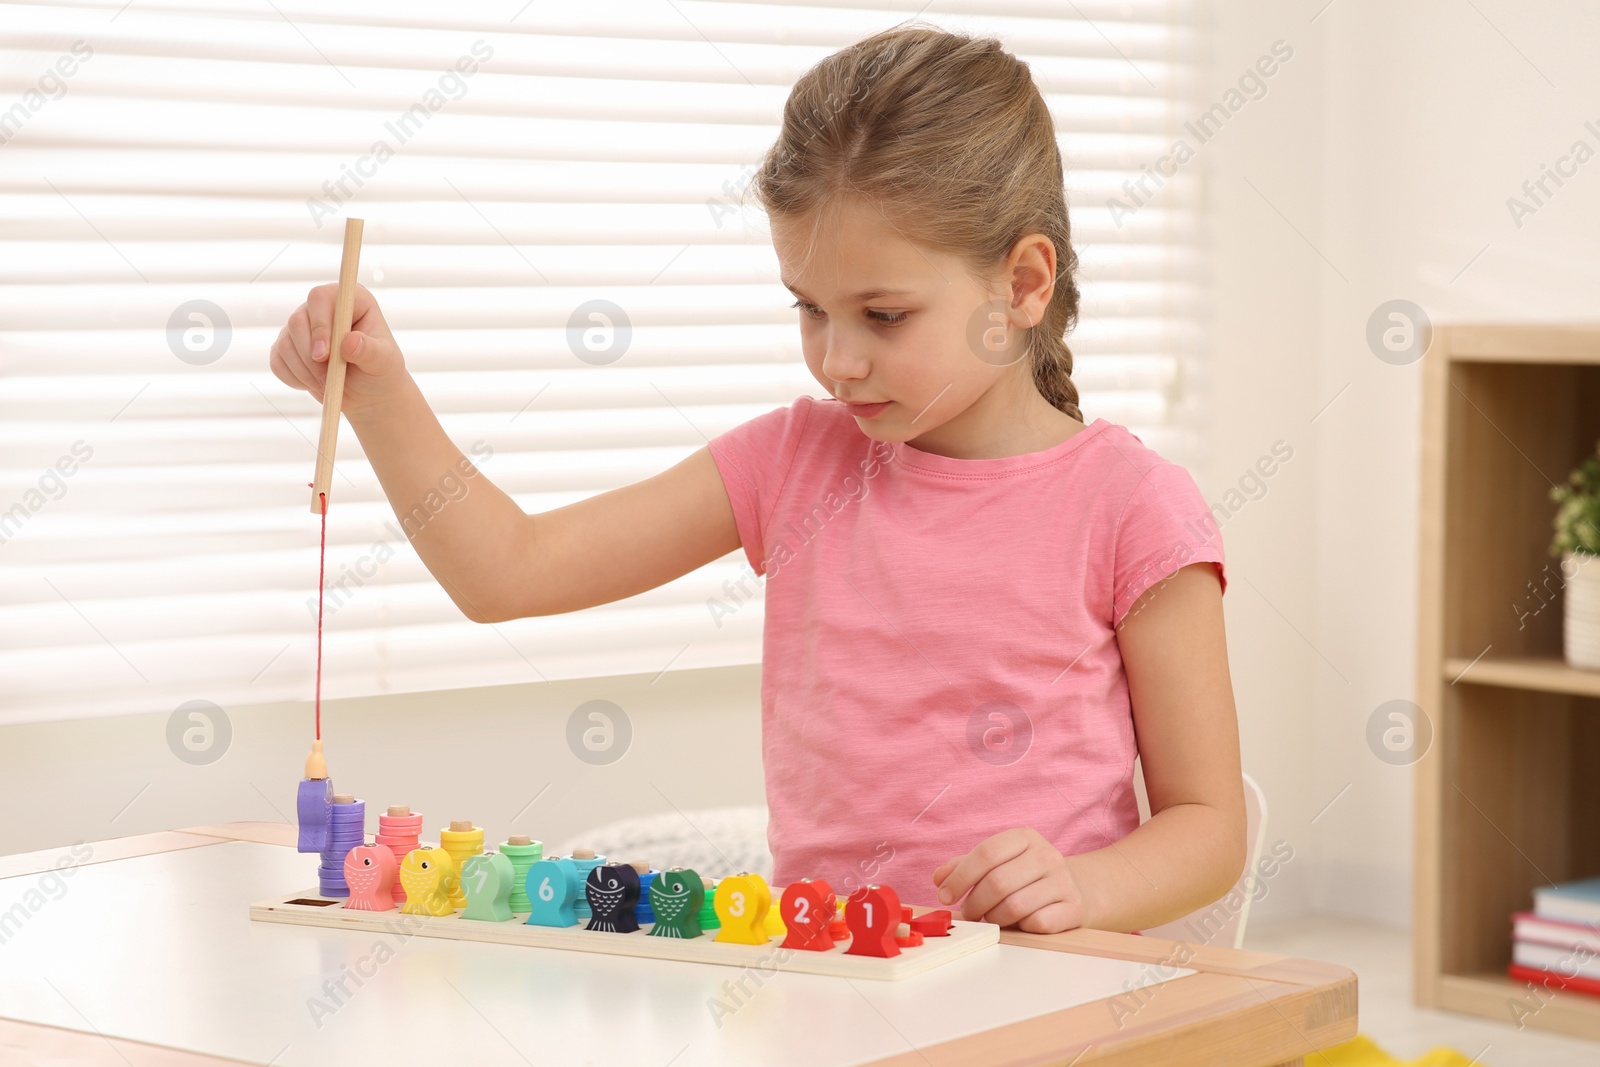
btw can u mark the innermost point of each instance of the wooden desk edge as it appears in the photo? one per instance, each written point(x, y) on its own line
point(52, 1046)
point(85, 854)
point(1200, 1018)
point(1250, 1008)
point(1160, 952)
point(262, 833)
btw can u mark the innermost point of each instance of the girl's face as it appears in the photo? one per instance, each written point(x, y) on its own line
point(883, 320)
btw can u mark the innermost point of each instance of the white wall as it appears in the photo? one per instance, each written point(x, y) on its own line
point(480, 754)
point(1263, 388)
point(1391, 142)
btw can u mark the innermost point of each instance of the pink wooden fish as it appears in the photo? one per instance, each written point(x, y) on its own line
point(369, 870)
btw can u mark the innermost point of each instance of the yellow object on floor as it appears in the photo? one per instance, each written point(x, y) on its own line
point(1361, 1051)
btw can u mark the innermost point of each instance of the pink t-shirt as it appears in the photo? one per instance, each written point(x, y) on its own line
point(940, 659)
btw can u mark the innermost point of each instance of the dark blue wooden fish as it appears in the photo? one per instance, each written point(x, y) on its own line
point(612, 892)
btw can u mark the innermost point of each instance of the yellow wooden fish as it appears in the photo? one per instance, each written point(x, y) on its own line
point(429, 877)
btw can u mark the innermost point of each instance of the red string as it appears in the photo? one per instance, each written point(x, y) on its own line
point(322, 562)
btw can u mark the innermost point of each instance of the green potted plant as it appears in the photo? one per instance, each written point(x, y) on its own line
point(1577, 542)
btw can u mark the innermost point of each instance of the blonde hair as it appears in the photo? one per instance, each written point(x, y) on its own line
point(946, 134)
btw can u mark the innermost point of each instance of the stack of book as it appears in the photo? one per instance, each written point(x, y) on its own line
point(1557, 944)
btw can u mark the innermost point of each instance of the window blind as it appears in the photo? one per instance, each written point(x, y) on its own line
point(174, 175)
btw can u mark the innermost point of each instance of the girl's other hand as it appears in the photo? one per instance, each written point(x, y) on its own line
point(1014, 878)
point(374, 367)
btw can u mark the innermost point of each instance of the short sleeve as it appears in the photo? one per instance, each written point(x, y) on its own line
point(1165, 525)
point(754, 459)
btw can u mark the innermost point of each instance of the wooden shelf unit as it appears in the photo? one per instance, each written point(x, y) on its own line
point(1506, 796)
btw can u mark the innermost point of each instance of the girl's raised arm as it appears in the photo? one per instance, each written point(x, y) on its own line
point(626, 540)
point(493, 559)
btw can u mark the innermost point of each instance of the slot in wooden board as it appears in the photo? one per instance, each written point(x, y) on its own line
point(311, 909)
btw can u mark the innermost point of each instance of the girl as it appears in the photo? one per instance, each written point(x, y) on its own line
point(979, 609)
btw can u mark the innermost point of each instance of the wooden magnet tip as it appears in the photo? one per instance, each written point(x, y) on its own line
point(344, 798)
point(460, 826)
point(519, 839)
point(398, 810)
point(583, 853)
point(316, 766)
point(642, 866)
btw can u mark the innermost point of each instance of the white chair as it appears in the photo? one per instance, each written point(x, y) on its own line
point(1222, 922)
point(715, 842)
point(721, 841)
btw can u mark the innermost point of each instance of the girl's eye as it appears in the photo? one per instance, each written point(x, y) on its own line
point(884, 318)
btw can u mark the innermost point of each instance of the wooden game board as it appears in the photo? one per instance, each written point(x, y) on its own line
point(309, 909)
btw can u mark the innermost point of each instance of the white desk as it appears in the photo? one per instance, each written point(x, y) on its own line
point(149, 941)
